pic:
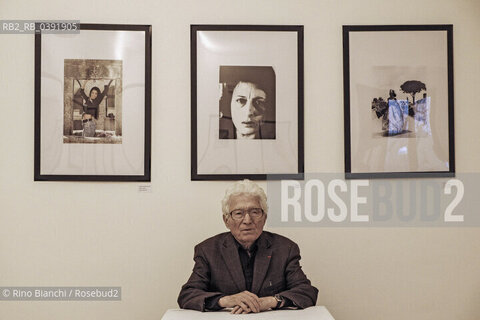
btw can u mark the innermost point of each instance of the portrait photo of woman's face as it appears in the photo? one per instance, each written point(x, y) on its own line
point(248, 107)
point(247, 102)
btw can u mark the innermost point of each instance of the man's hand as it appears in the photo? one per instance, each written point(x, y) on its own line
point(244, 302)
point(266, 303)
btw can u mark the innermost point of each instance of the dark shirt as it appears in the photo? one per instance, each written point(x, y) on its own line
point(247, 260)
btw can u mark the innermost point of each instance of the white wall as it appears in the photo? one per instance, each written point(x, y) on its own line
point(109, 234)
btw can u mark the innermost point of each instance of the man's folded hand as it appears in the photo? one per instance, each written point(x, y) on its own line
point(266, 303)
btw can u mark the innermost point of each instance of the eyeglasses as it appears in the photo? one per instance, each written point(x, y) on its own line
point(239, 214)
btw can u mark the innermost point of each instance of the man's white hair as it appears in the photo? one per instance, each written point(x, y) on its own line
point(245, 187)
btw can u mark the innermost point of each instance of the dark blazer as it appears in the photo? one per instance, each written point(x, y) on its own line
point(218, 270)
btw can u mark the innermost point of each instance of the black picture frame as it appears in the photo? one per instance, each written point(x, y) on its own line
point(371, 62)
point(228, 65)
point(141, 168)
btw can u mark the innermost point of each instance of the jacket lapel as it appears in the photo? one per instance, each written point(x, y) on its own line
point(229, 252)
point(262, 262)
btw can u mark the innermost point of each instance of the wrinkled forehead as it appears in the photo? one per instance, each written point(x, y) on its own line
point(243, 200)
point(248, 89)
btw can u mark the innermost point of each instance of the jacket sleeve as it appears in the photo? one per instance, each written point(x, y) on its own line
point(299, 289)
point(194, 293)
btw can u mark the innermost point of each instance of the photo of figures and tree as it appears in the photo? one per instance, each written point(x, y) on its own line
point(398, 90)
point(394, 112)
point(93, 101)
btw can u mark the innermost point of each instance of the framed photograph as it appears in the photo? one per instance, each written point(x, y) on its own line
point(398, 101)
point(92, 104)
point(247, 102)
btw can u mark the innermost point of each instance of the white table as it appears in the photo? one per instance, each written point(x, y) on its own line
point(312, 313)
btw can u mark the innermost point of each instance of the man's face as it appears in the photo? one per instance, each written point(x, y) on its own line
point(93, 94)
point(248, 230)
point(248, 107)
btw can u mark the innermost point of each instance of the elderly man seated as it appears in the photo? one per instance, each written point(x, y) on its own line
point(246, 269)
